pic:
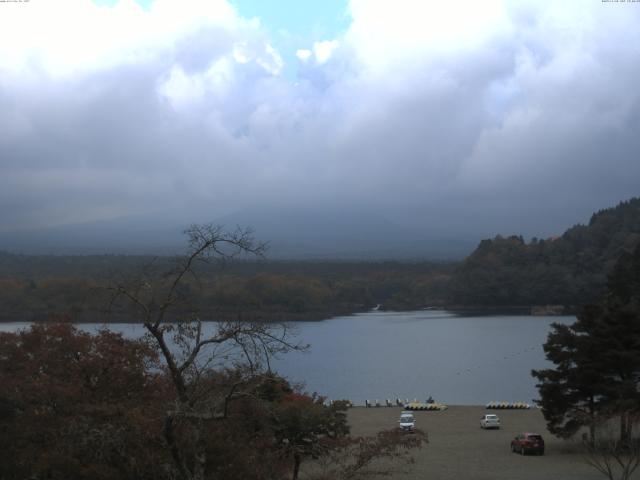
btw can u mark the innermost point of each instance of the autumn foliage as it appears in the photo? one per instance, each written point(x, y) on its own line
point(80, 406)
point(74, 405)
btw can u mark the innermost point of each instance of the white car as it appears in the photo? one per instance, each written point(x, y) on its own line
point(407, 422)
point(490, 420)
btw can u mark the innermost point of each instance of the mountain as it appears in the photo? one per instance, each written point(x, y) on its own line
point(568, 270)
point(292, 233)
point(124, 235)
point(297, 233)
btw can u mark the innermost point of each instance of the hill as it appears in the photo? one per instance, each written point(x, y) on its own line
point(293, 233)
point(568, 270)
point(346, 233)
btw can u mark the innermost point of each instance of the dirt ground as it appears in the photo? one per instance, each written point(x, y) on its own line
point(459, 449)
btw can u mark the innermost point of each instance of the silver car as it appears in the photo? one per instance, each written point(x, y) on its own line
point(407, 422)
point(490, 420)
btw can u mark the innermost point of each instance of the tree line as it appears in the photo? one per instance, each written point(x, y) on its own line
point(271, 291)
point(570, 270)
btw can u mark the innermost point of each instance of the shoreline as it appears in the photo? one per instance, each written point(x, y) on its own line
point(286, 317)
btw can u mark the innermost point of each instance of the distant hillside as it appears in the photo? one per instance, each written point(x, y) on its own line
point(569, 270)
point(130, 235)
point(345, 233)
point(292, 233)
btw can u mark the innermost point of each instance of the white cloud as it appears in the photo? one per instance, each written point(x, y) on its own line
point(390, 34)
point(420, 105)
point(184, 90)
point(240, 53)
point(271, 60)
point(76, 36)
point(323, 50)
point(304, 54)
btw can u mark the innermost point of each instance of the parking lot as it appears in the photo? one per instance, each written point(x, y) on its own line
point(459, 449)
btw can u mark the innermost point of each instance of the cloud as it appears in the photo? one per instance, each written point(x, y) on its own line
point(472, 116)
point(324, 50)
point(321, 53)
point(303, 54)
point(387, 36)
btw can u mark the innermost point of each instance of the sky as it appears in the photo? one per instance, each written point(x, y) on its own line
point(464, 117)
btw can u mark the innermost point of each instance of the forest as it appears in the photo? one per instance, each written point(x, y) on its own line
point(569, 270)
point(503, 272)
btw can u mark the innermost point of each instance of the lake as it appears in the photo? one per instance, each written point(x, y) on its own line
point(456, 359)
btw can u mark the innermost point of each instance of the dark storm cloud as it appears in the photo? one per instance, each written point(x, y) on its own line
point(526, 126)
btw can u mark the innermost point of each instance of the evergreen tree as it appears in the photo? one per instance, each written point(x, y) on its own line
point(597, 359)
point(569, 393)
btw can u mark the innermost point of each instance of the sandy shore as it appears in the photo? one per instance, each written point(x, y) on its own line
point(459, 449)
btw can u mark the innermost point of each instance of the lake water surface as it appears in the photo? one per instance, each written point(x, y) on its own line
point(459, 360)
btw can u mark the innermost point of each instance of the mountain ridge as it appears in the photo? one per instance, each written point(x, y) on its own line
point(567, 270)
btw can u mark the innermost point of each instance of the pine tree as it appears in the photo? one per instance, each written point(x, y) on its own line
point(569, 393)
point(597, 360)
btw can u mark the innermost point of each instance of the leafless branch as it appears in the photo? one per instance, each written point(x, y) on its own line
point(182, 339)
point(613, 457)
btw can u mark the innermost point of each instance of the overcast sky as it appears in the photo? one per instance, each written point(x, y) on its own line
point(515, 117)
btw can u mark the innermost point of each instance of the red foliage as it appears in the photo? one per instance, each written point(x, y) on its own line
point(75, 405)
point(81, 406)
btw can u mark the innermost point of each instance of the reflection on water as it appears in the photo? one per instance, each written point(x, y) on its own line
point(456, 359)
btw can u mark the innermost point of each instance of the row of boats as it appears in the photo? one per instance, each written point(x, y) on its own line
point(430, 404)
point(425, 406)
point(508, 406)
point(397, 403)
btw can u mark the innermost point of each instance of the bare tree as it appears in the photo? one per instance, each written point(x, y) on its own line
point(191, 349)
point(614, 455)
point(382, 455)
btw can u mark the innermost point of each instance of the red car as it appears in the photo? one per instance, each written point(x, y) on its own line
point(528, 442)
